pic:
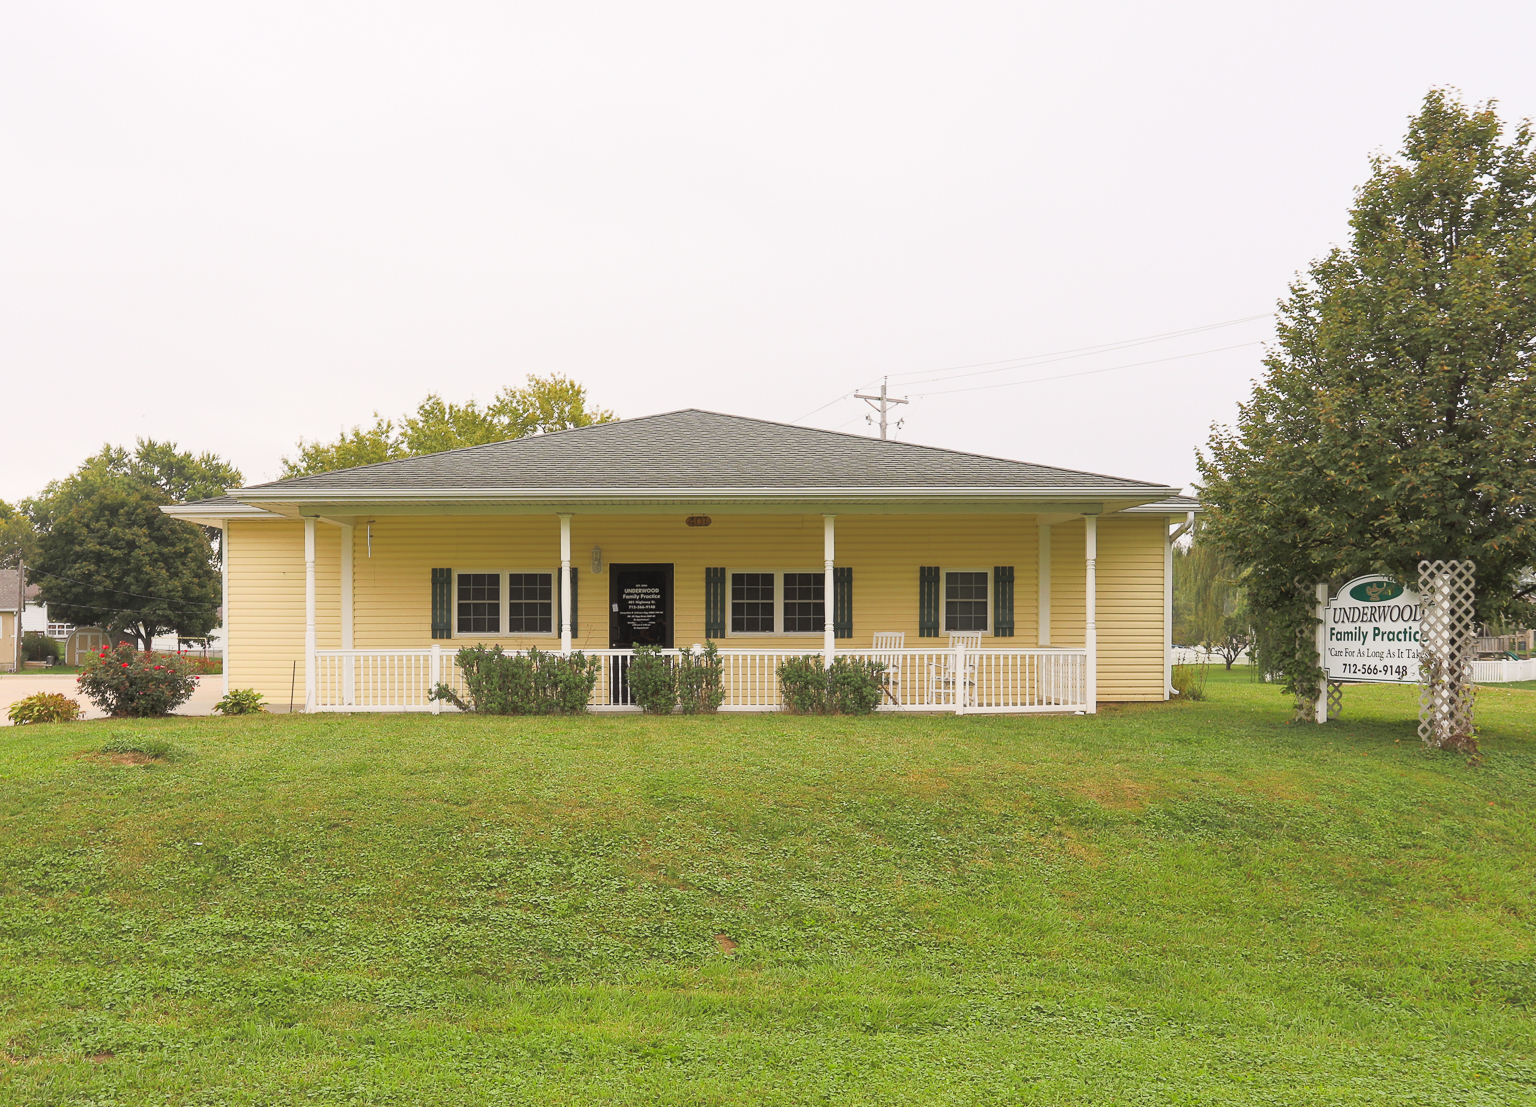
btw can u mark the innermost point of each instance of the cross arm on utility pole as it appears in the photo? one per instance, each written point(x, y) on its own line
point(880, 403)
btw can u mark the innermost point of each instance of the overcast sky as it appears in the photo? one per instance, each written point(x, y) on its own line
point(232, 225)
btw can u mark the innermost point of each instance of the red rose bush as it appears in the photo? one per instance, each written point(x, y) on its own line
point(125, 682)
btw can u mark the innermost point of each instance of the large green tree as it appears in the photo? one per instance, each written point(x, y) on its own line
point(542, 405)
point(106, 555)
point(1396, 418)
point(18, 538)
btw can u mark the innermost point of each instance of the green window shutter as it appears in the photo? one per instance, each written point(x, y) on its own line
point(714, 603)
point(928, 601)
point(575, 592)
point(442, 603)
point(1002, 601)
point(842, 603)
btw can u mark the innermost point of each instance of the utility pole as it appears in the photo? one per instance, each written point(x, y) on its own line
point(883, 401)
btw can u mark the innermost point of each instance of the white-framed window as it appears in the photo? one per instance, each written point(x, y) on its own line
point(967, 601)
point(776, 601)
point(494, 602)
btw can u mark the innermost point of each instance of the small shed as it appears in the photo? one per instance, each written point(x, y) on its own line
point(82, 641)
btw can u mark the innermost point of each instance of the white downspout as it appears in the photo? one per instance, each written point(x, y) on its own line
point(224, 596)
point(829, 554)
point(565, 583)
point(1172, 537)
point(309, 614)
point(1090, 610)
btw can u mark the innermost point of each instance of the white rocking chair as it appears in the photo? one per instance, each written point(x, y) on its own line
point(962, 682)
point(886, 648)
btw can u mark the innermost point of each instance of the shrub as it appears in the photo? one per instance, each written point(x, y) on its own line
point(500, 683)
point(701, 680)
point(44, 707)
point(240, 701)
point(37, 646)
point(124, 682)
point(652, 680)
point(203, 666)
point(1189, 680)
point(803, 685)
point(853, 686)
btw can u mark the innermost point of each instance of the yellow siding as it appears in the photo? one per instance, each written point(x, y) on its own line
point(1069, 572)
point(1130, 610)
point(264, 626)
point(392, 598)
point(8, 654)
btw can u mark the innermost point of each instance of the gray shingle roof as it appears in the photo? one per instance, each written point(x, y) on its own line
point(703, 450)
point(10, 589)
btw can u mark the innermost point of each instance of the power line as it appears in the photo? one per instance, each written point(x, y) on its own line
point(1045, 359)
point(1080, 351)
point(118, 591)
point(1089, 372)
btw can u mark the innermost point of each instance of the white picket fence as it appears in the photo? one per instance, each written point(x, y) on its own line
point(959, 680)
point(1503, 672)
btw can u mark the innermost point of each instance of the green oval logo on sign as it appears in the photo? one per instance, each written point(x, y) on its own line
point(1375, 591)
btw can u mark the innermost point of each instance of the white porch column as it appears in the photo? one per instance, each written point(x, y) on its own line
point(309, 614)
point(224, 599)
point(1043, 574)
point(829, 554)
point(1090, 609)
point(565, 583)
point(346, 588)
point(348, 677)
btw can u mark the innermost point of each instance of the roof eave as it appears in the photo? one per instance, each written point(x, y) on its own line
point(215, 514)
point(291, 495)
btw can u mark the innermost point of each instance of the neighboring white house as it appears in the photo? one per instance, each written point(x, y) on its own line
point(35, 617)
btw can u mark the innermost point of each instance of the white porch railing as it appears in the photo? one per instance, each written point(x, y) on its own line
point(959, 680)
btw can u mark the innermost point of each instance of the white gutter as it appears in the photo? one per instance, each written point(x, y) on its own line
point(336, 495)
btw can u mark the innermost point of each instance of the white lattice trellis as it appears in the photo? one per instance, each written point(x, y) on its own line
point(1335, 699)
point(1446, 690)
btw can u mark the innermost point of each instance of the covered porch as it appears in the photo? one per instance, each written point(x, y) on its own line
point(967, 654)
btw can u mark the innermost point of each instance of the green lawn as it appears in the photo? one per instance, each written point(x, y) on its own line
point(1164, 904)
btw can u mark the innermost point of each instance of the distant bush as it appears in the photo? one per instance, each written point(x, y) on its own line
point(37, 646)
point(652, 680)
point(203, 666)
point(701, 680)
point(852, 686)
point(124, 682)
point(240, 701)
point(1189, 680)
point(44, 707)
point(499, 683)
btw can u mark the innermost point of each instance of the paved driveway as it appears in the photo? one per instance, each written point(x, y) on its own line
point(19, 686)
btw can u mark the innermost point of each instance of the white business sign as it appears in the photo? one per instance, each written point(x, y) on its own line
point(1371, 633)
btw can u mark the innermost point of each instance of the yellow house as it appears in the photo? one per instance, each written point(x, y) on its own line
point(13, 602)
point(983, 584)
